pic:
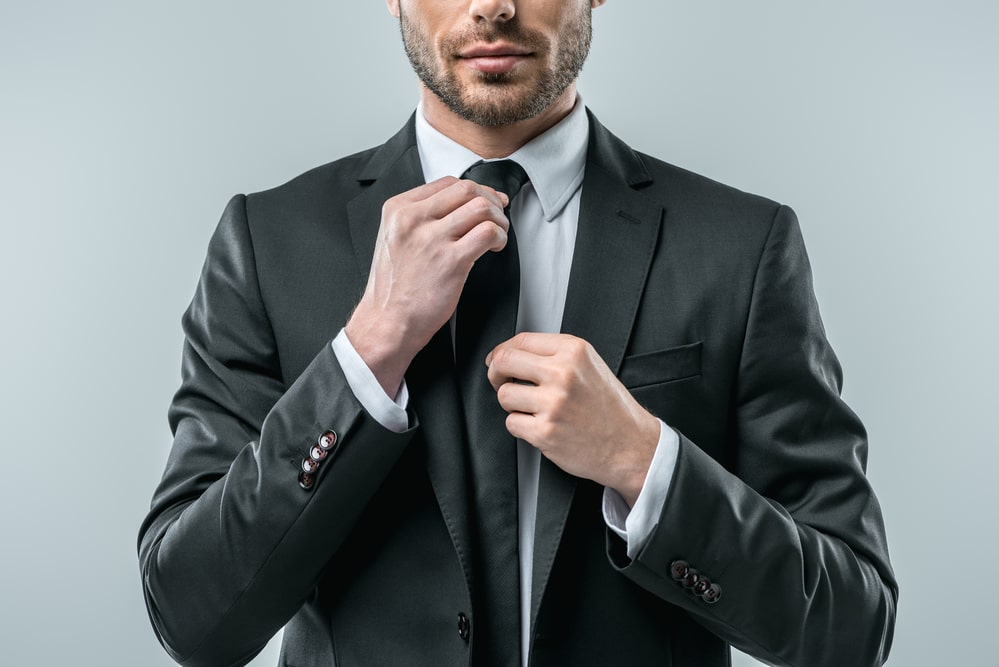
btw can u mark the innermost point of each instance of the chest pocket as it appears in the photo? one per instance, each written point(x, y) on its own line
point(652, 368)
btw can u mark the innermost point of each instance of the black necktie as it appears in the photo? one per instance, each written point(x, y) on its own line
point(487, 316)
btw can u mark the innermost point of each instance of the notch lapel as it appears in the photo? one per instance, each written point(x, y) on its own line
point(616, 240)
point(393, 169)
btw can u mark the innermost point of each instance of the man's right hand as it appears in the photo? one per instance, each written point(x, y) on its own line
point(428, 240)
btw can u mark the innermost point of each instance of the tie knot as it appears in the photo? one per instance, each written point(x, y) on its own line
point(505, 176)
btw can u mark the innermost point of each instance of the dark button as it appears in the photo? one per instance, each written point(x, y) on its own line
point(692, 578)
point(464, 627)
point(679, 569)
point(317, 453)
point(306, 481)
point(702, 586)
point(310, 465)
point(713, 594)
point(327, 440)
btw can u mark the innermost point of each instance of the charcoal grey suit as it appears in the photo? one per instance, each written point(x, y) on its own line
point(697, 295)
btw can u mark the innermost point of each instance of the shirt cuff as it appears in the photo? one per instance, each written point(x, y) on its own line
point(389, 412)
point(635, 525)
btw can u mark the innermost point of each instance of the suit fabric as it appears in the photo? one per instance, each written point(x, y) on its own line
point(697, 295)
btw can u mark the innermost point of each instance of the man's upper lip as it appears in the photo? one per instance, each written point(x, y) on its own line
point(492, 50)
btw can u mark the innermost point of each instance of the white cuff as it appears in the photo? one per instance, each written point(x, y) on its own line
point(390, 413)
point(636, 524)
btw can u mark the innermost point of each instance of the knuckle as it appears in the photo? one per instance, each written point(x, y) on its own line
point(562, 377)
point(547, 430)
point(481, 207)
point(496, 235)
point(503, 356)
point(511, 423)
point(503, 393)
point(388, 209)
point(559, 400)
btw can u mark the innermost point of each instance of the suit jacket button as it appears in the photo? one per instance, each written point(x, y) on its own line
point(327, 440)
point(702, 586)
point(317, 453)
point(464, 627)
point(306, 480)
point(712, 594)
point(310, 465)
point(692, 578)
point(678, 569)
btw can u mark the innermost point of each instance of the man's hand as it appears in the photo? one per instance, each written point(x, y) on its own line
point(428, 241)
point(565, 401)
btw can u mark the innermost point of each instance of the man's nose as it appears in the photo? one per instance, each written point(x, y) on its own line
point(494, 11)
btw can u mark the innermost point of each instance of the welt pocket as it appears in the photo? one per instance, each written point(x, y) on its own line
point(648, 368)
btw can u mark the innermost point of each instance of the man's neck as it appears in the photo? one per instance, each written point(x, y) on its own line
point(493, 141)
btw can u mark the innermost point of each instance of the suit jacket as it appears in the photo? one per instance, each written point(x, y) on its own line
point(697, 295)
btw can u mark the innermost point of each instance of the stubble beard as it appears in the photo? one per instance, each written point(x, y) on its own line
point(506, 100)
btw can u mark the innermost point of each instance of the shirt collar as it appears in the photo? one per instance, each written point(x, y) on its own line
point(554, 160)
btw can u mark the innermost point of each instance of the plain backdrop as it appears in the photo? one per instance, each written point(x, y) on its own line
point(126, 126)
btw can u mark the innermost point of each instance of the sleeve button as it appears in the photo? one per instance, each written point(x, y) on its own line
point(678, 569)
point(327, 440)
point(306, 480)
point(713, 594)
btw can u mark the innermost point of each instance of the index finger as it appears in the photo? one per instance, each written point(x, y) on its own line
point(426, 190)
point(542, 344)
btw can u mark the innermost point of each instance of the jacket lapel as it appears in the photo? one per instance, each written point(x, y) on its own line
point(615, 243)
point(396, 168)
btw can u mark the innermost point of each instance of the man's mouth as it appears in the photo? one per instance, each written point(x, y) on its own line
point(496, 58)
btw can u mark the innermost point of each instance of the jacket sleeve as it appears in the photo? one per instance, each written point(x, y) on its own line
point(791, 534)
point(233, 544)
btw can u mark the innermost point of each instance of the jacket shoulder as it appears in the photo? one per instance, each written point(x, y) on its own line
point(338, 179)
point(685, 190)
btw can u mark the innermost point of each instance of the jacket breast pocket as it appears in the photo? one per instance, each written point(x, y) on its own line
point(652, 368)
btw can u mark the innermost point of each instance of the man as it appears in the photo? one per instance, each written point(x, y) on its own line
point(657, 466)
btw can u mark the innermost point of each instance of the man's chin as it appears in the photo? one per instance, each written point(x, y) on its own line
point(496, 111)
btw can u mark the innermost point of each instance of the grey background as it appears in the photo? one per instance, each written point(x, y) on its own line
point(126, 126)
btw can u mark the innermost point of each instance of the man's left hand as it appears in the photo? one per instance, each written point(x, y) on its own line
point(565, 401)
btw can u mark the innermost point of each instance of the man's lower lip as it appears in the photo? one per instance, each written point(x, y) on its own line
point(494, 64)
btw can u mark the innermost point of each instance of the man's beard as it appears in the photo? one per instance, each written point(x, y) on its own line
point(508, 100)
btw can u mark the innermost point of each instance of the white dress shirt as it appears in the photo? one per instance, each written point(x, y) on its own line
point(545, 216)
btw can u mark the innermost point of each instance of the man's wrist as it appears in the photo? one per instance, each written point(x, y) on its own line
point(379, 342)
point(634, 523)
point(636, 468)
point(387, 410)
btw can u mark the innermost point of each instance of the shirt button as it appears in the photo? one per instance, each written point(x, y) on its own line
point(464, 627)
